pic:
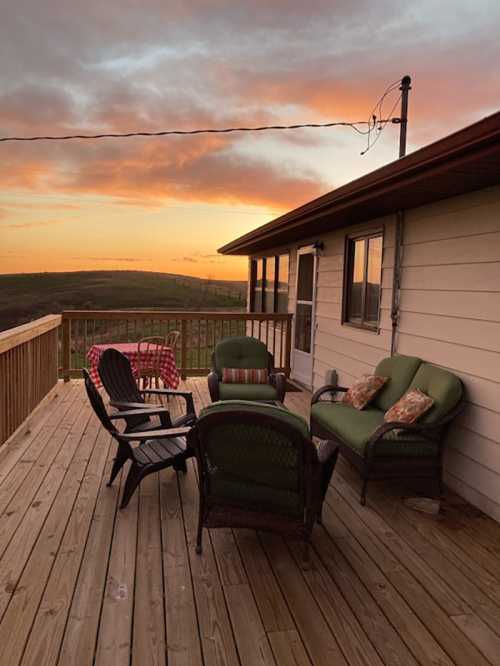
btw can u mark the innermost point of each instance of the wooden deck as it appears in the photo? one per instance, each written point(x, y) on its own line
point(83, 583)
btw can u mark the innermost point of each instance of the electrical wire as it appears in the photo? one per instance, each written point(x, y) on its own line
point(375, 122)
point(378, 123)
point(226, 130)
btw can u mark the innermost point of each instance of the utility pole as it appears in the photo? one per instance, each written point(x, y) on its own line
point(400, 219)
point(403, 120)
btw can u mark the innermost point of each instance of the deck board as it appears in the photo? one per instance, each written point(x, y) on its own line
point(82, 582)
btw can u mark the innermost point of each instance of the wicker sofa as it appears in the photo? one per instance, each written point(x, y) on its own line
point(380, 449)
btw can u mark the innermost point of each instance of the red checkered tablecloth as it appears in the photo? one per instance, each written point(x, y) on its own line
point(168, 369)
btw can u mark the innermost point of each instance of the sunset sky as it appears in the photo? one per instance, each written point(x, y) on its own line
point(166, 204)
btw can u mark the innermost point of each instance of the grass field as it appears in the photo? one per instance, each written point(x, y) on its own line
point(28, 296)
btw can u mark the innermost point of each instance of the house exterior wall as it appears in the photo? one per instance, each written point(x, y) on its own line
point(450, 316)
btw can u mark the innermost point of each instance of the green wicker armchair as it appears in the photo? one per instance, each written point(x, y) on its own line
point(259, 469)
point(244, 352)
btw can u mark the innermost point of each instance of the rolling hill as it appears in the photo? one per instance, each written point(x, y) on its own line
point(24, 297)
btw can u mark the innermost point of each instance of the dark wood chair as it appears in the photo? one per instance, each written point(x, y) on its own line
point(117, 378)
point(259, 469)
point(156, 450)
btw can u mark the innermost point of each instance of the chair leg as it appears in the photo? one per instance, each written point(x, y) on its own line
point(199, 533)
point(180, 465)
point(306, 556)
point(362, 500)
point(135, 476)
point(118, 462)
point(199, 536)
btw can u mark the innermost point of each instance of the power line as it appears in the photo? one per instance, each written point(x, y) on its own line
point(226, 130)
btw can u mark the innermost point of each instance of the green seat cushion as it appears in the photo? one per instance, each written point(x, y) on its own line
point(247, 392)
point(443, 386)
point(278, 412)
point(240, 352)
point(355, 428)
point(400, 370)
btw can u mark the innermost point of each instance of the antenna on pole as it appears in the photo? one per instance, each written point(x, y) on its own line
point(403, 120)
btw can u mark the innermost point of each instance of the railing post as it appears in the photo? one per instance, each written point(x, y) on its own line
point(288, 346)
point(183, 348)
point(66, 348)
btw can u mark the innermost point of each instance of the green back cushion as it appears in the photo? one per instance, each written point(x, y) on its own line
point(443, 386)
point(280, 413)
point(253, 462)
point(240, 352)
point(400, 370)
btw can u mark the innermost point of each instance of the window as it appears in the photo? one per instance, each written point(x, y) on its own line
point(269, 284)
point(362, 283)
point(303, 311)
point(282, 283)
point(258, 281)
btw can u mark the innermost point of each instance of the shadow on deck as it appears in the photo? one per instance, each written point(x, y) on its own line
point(83, 583)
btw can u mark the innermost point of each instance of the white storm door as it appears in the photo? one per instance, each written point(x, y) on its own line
point(302, 358)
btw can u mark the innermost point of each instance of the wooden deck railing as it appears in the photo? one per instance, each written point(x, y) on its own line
point(200, 332)
point(28, 370)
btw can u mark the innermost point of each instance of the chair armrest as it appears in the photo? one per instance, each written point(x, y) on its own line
point(187, 395)
point(278, 380)
point(138, 412)
point(424, 429)
point(213, 385)
point(154, 434)
point(328, 388)
point(129, 405)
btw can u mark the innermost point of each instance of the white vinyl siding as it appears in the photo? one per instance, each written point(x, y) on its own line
point(450, 316)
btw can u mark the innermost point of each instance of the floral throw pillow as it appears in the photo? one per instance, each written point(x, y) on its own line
point(410, 407)
point(245, 376)
point(363, 391)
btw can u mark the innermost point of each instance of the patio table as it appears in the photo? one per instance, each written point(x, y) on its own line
point(169, 373)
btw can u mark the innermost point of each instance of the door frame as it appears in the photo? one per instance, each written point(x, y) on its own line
point(306, 249)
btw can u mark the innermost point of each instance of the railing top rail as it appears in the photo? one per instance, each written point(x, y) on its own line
point(171, 314)
point(13, 337)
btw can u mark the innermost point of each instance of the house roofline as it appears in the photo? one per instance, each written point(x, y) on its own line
point(431, 160)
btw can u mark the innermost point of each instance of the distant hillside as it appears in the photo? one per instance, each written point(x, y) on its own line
point(28, 296)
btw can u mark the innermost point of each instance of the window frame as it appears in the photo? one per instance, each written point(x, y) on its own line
point(350, 241)
point(253, 280)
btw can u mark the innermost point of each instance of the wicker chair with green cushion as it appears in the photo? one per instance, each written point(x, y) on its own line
point(244, 353)
point(259, 469)
point(381, 449)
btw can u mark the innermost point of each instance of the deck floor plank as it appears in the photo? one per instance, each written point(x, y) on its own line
point(22, 493)
point(21, 611)
point(20, 442)
point(149, 619)
point(82, 582)
point(407, 594)
point(19, 549)
point(80, 636)
point(182, 633)
point(48, 628)
point(219, 646)
point(114, 639)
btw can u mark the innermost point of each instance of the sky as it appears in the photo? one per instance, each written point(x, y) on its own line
point(167, 204)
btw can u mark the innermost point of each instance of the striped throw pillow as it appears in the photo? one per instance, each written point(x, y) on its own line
point(245, 376)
